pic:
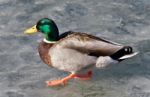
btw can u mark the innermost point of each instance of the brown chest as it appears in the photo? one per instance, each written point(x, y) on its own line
point(43, 52)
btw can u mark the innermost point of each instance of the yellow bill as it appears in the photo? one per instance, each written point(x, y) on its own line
point(31, 30)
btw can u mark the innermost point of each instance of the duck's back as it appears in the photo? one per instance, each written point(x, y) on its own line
point(88, 44)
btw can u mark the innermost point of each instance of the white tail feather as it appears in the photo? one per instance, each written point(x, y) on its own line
point(129, 56)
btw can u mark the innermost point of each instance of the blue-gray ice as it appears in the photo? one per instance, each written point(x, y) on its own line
point(22, 73)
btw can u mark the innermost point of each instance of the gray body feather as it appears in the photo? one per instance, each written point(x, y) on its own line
point(79, 52)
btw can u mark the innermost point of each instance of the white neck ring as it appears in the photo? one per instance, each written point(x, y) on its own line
point(48, 41)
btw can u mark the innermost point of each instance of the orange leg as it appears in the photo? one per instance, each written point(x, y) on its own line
point(86, 76)
point(61, 81)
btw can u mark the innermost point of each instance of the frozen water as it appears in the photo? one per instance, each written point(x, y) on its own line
point(22, 73)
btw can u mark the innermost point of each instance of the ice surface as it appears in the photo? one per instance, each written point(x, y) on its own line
point(22, 73)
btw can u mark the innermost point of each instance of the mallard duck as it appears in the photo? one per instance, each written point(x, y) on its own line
point(76, 52)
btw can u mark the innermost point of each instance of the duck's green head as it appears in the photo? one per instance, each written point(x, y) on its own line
point(47, 27)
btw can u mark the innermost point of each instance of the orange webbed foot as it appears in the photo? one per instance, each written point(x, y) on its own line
point(86, 76)
point(59, 82)
point(55, 83)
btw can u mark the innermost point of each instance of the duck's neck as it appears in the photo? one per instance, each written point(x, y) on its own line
point(52, 37)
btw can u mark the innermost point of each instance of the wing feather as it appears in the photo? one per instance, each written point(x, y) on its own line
point(88, 44)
